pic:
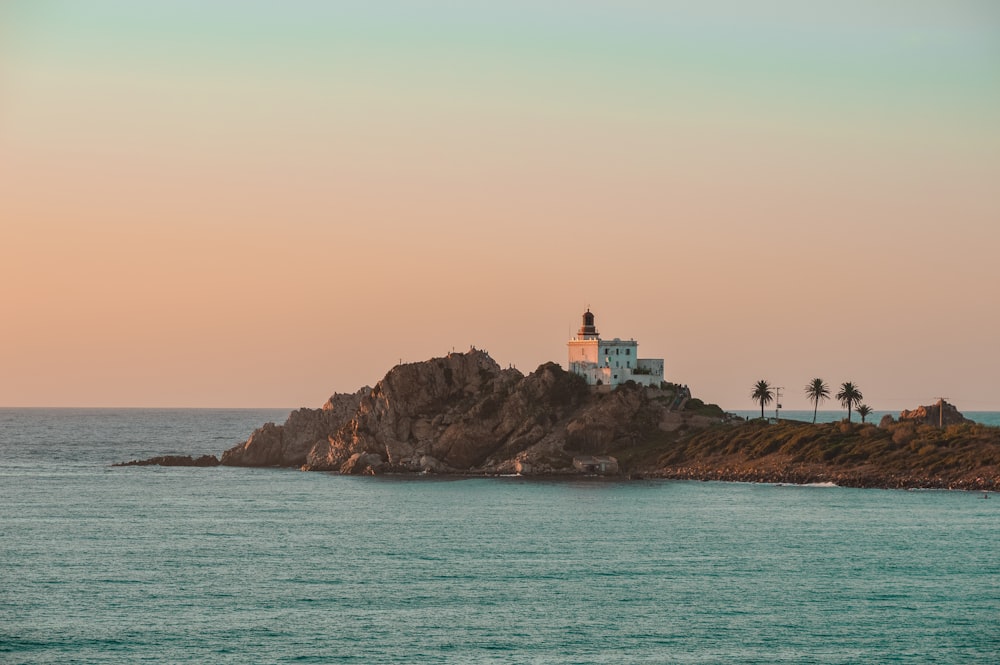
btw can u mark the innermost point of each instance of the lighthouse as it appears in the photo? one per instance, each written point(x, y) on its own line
point(610, 362)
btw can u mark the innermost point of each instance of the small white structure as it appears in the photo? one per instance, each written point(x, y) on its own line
point(600, 464)
point(610, 362)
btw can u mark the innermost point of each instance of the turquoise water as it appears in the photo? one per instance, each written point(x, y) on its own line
point(149, 564)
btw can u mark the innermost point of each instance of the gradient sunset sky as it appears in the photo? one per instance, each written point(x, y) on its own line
point(258, 203)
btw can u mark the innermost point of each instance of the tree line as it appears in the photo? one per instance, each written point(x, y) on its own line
point(817, 391)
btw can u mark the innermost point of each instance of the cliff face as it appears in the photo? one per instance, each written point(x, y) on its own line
point(457, 413)
point(417, 411)
point(290, 444)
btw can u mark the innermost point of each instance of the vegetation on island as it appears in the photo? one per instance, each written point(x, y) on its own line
point(762, 393)
point(899, 454)
point(848, 396)
point(908, 453)
point(904, 454)
point(817, 391)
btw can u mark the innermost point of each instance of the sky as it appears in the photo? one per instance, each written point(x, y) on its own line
point(256, 204)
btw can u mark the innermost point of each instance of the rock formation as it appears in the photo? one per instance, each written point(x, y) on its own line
point(932, 415)
point(290, 444)
point(174, 460)
point(464, 414)
point(460, 413)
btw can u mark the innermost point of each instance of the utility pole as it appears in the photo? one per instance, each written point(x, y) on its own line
point(941, 412)
point(777, 402)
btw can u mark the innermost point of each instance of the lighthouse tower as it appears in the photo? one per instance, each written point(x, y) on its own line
point(588, 330)
point(610, 362)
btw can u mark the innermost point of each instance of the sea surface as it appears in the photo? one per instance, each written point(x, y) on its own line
point(228, 565)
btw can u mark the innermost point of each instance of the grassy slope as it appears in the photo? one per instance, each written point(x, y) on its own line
point(902, 455)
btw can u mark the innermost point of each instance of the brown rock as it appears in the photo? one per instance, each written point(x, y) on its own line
point(932, 415)
point(458, 413)
point(290, 444)
point(174, 460)
point(611, 421)
point(363, 463)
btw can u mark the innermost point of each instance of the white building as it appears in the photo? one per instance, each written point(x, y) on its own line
point(610, 362)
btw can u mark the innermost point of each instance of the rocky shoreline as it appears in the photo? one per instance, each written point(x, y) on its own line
point(464, 415)
point(700, 474)
point(174, 460)
point(840, 479)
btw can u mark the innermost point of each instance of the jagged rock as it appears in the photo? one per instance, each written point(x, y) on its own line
point(363, 463)
point(459, 413)
point(458, 410)
point(610, 422)
point(174, 460)
point(408, 412)
point(431, 465)
point(931, 415)
point(887, 421)
point(290, 444)
point(344, 405)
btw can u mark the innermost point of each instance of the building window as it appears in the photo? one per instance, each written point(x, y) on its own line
point(628, 363)
point(618, 352)
point(607, 351)
point(628, 352)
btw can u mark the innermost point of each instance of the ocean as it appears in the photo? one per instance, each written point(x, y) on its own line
point(102, 564)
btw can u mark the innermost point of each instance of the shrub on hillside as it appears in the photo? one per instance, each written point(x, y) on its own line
point(903, 434)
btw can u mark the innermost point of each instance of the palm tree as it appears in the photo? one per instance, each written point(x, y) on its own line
point(762, 393)
point(849, 395)
point(817, 390)
point(864, 411)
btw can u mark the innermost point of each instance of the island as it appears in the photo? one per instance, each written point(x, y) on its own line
point(464, 414)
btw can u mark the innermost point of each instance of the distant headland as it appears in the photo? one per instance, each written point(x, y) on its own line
point(464, 414)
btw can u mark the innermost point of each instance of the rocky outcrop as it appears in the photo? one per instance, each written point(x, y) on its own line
point(941, 413)
point(451, 414)
point(463, 413)
point(174, 460)
point(620, 420)
point(290, 444)
point(343, 405)
point(459, 413)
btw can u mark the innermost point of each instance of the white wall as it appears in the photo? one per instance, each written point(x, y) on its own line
point(612, 362)
point(583, 351)
point(654, 365)
point(618, 354)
